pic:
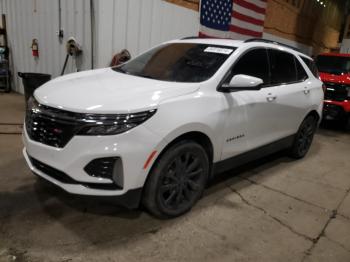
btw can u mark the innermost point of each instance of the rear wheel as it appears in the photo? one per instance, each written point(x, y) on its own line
point(347, 122)
point(304, 137)
point(177, 181)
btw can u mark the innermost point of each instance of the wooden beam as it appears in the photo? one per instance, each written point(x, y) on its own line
point(191, 4)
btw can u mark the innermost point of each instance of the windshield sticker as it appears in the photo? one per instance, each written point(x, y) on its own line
point(218, 50)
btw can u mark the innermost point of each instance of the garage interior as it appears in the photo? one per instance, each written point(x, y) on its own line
point(273, 209)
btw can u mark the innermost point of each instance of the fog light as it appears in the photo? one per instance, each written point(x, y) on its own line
point(108, 167)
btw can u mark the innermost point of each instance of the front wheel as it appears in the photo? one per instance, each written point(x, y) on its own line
point(177, 180)
point(304, 137)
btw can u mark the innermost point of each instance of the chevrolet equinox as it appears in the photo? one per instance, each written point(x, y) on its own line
point(155, 129)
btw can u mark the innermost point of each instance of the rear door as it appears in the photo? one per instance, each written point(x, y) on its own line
point(292, 88)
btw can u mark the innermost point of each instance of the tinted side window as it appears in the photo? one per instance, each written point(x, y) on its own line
point(311, 65)
point(301, 74)
point(253, 63)
point(283, 69)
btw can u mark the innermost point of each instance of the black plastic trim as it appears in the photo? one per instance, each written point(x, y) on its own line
point(252, 155)
point(130, 200)
point(340, 92)
point(65, 179)
point(334, 112)
point(190, 37)
point(101, 167)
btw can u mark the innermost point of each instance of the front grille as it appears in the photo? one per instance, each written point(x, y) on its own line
point(56, 127)
point(64, 178)
point(50, 126)
point(336, 92)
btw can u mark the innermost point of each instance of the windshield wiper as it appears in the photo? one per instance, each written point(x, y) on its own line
point(146, 76)
point(121, 70)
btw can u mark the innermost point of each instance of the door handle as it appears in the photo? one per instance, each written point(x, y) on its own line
point(271, 98)
point(306, 91)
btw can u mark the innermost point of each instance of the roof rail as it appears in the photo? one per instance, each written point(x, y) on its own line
point(271, 42)
point(190, 37)
point(200, 37)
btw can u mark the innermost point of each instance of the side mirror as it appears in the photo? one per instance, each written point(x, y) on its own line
point(243, 82)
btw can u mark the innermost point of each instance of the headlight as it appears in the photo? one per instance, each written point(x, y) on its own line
point(102, 125)
point(32, 103)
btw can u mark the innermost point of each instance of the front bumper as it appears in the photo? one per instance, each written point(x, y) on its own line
point(133, 148)
point(336, 110)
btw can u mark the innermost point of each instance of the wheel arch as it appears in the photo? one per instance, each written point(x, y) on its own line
point(148, 194)
point(197, 136)
point(315, 114)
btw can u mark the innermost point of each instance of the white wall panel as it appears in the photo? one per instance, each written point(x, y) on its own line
point(138, 25)
point(28, 19)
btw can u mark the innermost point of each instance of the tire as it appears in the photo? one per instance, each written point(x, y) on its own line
point(177, 180)
point(304, 137)
point(346, 124)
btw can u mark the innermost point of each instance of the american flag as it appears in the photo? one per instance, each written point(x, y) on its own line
point(236, 19)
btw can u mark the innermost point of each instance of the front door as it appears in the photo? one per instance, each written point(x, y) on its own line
point(253, 109)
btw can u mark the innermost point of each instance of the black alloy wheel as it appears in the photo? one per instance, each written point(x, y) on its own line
point(304, 137)
point(177, 181)
point(181, 181)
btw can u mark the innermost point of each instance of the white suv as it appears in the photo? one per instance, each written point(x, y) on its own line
point(155, 129)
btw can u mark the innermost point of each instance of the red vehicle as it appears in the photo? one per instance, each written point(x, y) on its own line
point(335, 73)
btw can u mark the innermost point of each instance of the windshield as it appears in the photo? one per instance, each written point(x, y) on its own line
point(333, 64)
point(178, 62)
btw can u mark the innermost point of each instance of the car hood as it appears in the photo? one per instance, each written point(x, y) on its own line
point(107, 91)
point(339, 79)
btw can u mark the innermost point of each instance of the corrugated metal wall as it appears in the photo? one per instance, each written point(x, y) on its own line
point(28, 19)
point(138, 25)
point(133, 24)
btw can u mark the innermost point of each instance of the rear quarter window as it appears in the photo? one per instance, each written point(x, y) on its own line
point(311, 65)
point(301, 73)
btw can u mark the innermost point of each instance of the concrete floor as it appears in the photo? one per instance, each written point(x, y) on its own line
point(272, 210)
